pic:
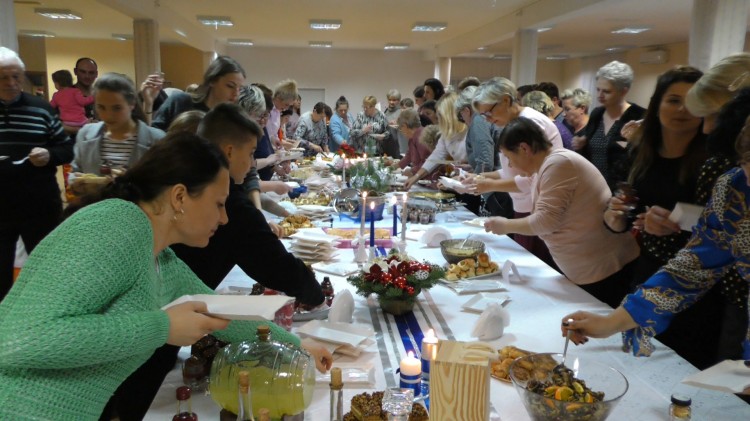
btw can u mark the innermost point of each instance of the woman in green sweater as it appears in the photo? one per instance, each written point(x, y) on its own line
point(86, 309)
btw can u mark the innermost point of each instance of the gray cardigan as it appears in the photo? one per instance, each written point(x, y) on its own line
point(482, 145)
point(87, 153)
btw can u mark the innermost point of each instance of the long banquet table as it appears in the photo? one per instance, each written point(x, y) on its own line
point(538, 302)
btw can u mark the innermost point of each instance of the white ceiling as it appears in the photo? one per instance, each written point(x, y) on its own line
point(580, 27)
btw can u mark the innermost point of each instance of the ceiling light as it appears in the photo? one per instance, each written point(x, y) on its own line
point(616, 48)
point(429, 27)
point(396, 46)
point(122, 37)
point(482, 48)
point(215, 21)
point(631, 30)
point(324, 24)
point(240, 42)
point(58, 14)
point(550, 47)
point(501, 57)
point(36, 34)
point(180, 33)
point(321, 44)
point(543, 29)
point(558, 57)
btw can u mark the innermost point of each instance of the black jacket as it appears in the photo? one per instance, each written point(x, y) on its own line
point(617, 156)
point(247, 240)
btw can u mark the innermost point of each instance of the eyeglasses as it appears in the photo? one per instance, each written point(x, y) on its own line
point(488, 114)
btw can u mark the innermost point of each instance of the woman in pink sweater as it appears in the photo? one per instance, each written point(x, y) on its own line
point(568, 196)
point(69, 100)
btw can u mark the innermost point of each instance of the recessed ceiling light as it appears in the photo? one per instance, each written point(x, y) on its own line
point(122, 37)
point(325, 24)
point(558, 57)
point(396, 46)
point(543, 29)
point(482, 48)
point(215, 21)
point(180, 33)
point(429, 27)
point(240, 42)
point(321, 44)
point(616, 48)
point(58, 14)
point(501, 57)
point(631, 30)
point(550, 47)
point(36, 34)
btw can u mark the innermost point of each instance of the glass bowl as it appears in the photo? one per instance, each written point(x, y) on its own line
point(456, 250)
point(598, 377)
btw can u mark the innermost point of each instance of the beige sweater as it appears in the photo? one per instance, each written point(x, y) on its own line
point(569, 196)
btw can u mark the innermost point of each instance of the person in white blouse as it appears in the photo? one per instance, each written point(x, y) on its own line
point(496, 101)
point(452, 143)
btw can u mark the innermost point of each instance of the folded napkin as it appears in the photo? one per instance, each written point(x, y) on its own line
point(342, 307)
point(510, 272)
point(491, 323)
point(433, 236)
point(348, 350)
point(727, 376)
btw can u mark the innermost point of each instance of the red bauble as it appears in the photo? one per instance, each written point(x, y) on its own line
point(386, 278)
point(410, 290)
point(403, 267)
point(375, 269)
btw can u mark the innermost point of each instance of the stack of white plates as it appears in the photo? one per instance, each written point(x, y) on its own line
point(318, 183)
point(315, 212)
point(312, 246)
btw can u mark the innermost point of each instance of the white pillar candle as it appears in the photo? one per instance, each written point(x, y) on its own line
point(410, 366)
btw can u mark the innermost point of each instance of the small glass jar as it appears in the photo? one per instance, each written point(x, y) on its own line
point(680, 409)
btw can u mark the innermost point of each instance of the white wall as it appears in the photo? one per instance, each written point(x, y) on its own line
point(352, 73)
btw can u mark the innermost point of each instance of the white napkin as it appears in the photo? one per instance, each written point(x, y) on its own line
point(433, 236)
point(686, 215)
point(510, 272)
point(342, 307)
point(727, 376)
point(491, 323)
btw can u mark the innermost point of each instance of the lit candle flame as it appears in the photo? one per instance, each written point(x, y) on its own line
point(410, 354)
point(372, 205)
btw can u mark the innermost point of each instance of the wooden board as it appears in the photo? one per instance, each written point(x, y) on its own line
point(459, 386)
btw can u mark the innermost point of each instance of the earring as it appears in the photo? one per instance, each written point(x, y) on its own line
point(174, 217)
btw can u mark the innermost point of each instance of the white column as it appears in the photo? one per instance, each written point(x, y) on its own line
point(523, 63)
point(443, 70)
point(146, 48)
point(8, 37)
point(717, 29)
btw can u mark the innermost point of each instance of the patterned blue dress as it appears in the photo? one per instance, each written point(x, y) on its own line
point(721, 238)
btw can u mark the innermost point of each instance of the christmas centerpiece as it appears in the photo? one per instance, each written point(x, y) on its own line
point(396, 280)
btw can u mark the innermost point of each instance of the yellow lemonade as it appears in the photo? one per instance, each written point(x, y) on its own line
point(284, 391)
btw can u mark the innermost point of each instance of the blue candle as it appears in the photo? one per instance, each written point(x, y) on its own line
point(372, 224)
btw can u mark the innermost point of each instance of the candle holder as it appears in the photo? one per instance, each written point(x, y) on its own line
point(401, 245)
point(360, 256)
point(413, 382)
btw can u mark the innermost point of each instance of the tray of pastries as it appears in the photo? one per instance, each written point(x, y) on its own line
point(368, 407)
point(471, 268)
point(500, 369)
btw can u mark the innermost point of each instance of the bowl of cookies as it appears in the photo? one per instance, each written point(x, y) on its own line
point(455, 251)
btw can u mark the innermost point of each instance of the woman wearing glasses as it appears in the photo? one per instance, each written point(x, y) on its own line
point(496, 101)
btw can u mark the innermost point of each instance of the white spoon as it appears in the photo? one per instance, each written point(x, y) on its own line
point(21, 161)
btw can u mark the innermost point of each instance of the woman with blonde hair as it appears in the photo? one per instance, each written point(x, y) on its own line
point(452, 142)
point(370, 128)
point(541, 102)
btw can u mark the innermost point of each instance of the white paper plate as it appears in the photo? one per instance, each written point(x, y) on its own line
point(352, 373)
point(316, 237)
point(238, 307)
point(475, 285)
point(319, 314)
point(338, 333)
point(315, 208)
point(479, 302)
point(451, 183)
point(337, 268)
point(292, 184)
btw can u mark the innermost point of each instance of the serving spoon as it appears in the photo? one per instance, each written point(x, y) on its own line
point(561, 366)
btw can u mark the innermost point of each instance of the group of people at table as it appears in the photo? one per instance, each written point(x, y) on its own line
point(82, 333)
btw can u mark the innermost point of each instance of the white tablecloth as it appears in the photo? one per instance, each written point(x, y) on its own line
point(538, 304)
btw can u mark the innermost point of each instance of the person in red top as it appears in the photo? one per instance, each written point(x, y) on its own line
point(69, 101)
point(411, 127)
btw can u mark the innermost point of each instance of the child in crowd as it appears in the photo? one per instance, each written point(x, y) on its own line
point(69, 100)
